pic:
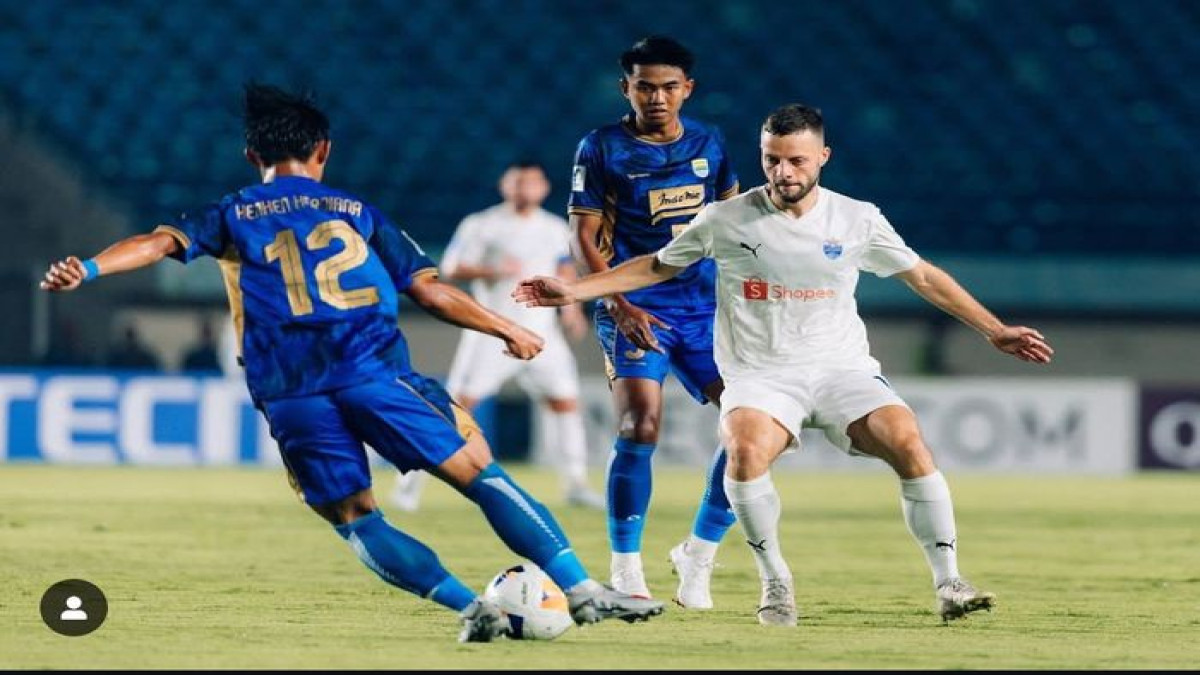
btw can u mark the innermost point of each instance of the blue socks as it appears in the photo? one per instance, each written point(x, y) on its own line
point(629, 483)
point(715, 516)
point(403, 561)
point(525, 525)
point(519, 520)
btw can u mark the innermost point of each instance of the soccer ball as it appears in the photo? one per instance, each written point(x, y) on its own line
point(535, 606)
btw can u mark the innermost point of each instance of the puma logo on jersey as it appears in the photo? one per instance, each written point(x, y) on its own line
point(753, 250)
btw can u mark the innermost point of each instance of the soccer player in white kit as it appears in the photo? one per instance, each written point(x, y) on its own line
point(793, 351)
point(492, 249)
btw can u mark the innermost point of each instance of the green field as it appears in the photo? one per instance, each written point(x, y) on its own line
point(225, 569)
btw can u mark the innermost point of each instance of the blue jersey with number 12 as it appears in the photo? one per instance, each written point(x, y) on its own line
point(312, 275)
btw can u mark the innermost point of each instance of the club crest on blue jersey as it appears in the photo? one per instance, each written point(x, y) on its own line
point(700, 167)
point(832, 249)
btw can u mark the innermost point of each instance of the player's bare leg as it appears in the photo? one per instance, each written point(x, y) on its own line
point(753, 440)
point(349, 509)
point(891, 434)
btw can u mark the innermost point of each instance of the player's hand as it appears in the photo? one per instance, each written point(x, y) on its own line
point(637, 325)
point(64, 275)
point(543, 292)
point(522, 343)
point(1022, 342)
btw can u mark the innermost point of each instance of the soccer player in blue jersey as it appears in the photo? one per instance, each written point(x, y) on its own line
point(313, 276)
point(635, 185)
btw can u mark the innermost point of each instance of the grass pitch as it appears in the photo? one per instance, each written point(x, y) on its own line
point(224, 569)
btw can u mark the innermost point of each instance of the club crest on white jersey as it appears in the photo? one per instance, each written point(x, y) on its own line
point(832, 248)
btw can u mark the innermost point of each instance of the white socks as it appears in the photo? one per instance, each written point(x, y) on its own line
point(700, 549)
point(929, 513)
point(627, 560)
point(568, 441)
point(756, 504)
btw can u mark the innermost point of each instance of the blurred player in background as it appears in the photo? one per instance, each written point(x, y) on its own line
point(313, 276)
point(493, 250)
point(228, 352)
point(793, 350)
point(635, 185)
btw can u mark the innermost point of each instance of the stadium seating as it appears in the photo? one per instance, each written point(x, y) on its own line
point(1055, 127)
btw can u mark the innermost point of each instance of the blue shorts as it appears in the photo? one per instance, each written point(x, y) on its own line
point(688, 348)
point(410, 421)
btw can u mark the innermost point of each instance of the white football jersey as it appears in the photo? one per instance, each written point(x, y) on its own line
point(539, 241)
point(785, 285)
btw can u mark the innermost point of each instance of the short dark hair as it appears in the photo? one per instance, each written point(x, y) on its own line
point(282, 126)
point(794, 118)
point(657, 50)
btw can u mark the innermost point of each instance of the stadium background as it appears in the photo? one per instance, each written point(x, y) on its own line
point(1045, 153)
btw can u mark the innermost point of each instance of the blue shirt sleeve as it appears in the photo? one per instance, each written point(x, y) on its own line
point(402, 257)
point(200, 233)
point(587, 178)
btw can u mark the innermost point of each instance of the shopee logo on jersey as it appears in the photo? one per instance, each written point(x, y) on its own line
point(755, 288)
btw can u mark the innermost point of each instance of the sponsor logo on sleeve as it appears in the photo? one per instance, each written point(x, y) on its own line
point(578, 178)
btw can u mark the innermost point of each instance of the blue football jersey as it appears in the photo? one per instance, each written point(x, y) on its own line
point(646, 193)
point(312, 275)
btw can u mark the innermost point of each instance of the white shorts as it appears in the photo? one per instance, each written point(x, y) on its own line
point(481, 367)
point(826, 400)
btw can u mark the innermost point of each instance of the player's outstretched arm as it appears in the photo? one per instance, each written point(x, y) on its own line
point(571, 316)
point(634, 322)
point(941, 289)
point(126, 255)
point(639, 272)
point(453, 306)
